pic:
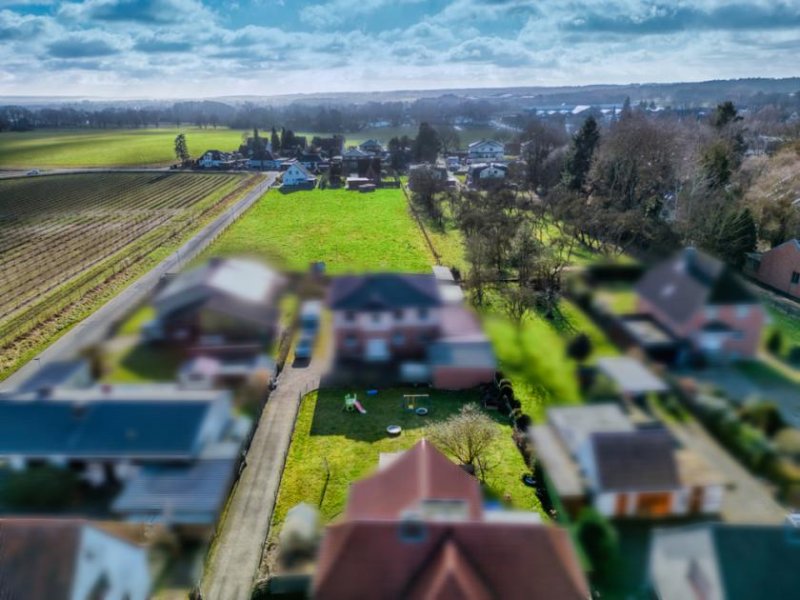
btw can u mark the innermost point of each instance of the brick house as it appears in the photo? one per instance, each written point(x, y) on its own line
point(778, 268)
point(384, 316)
point(704, 304)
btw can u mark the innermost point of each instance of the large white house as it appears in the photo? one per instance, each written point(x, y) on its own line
point(297, 174)
point(486, 150)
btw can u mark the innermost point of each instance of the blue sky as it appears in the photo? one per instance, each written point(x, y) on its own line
point(187, 48)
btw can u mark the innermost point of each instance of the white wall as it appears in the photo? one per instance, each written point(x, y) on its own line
point(124, 564)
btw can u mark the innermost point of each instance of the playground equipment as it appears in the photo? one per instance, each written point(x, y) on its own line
point(412, 402)
point(351, 403)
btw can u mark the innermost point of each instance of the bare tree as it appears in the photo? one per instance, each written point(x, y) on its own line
point(467, 436)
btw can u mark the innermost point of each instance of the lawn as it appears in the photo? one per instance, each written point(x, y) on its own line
point(534, 356)
point(347, 446)
point(349, 231)
point(107, 147)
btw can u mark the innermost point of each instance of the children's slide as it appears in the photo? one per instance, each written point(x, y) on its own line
point(360, 408)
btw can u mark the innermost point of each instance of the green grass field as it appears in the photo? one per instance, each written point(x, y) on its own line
point(65, 148)
point(347, 445)
point(107, 147)
point(349, 231)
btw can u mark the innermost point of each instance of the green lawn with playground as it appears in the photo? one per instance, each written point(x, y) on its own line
point(333, 446)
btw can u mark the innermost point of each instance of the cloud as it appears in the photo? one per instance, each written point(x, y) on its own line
point(339, 12)
point(152, 12)
point(14, 26)
point(78, 47)
point(661, 18)
point(154, 45)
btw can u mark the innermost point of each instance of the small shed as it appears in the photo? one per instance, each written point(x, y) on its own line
point(630, 375)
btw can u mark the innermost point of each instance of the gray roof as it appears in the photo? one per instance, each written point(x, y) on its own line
point(53, 374)
point(101, 429)
point(630, 375)
point(639, 460)
point(689, 281)
point(462, 354)
point(383, 291)
point(729, 562)
point(184, 494)
point(575, 424)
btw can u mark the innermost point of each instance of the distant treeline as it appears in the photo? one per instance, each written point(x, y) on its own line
point(334, 115)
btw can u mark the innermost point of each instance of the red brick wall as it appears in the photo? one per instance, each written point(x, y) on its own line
point(777, 266)
point(454, 378)
point(750, 325)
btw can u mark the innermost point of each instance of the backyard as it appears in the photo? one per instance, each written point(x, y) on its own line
point(349, 231)
point(346, 446)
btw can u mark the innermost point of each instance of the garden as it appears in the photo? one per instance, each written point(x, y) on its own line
point(332, 447)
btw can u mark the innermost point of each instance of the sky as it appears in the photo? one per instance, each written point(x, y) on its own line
point(198, 48)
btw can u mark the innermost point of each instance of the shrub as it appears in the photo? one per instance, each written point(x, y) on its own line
point(599, 541)
point(523, 422)
point(580, 347)
point(775, 342)
point(794, 355)
point(41, 488)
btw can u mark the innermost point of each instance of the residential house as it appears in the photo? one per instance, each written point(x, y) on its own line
point(439, 172)
point(486, 150)
point(418, 529)
point(596, 455)
point(721, 561)
point(222, 304)
point(361, 164)
point(702, 302)
point(214, 159)
point(416, 322)
point(371, 147)
point(384, 316)
point(173, 452)
point(778, 268)
point(58, 374)
point(297, 175)
point(481, 175)
point(69, 559)
point(312, 161)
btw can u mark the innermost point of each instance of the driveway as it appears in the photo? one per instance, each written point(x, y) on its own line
point(236, 554)
point(96, 327)
point(747, 500)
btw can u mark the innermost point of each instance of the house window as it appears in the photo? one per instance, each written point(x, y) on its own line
point(742, 312)
point(350, 341)
point(711, 312)
point(398, 339)
point(422, 313)
point(376, 317)
point(350, 316)
point(795, 277)
point(398, 315)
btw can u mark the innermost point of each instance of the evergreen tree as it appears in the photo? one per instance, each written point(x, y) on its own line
point(276, 141)
point(181, 148)
point(427, 145)
point(579, 160)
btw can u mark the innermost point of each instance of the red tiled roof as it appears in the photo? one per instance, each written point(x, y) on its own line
point(472, 560)
point(421, 473)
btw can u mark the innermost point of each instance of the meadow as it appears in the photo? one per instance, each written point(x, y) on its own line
point(65, 148)
point(349, 231)
point(73, 148)
point(69, 242)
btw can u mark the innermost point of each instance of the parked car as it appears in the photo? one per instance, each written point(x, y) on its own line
point(310, 314)
point(33, 172)
point(305, 346)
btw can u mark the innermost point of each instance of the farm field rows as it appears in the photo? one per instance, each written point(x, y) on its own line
point(63, 237)
point(347, 230)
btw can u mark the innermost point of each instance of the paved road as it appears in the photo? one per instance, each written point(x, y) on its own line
point(231, 570)
point(747, 501)
point(94, 328)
